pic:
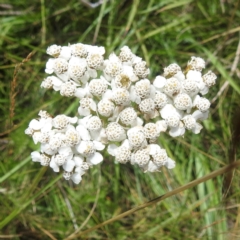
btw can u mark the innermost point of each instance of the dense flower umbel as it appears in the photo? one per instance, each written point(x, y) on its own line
point(120, 109)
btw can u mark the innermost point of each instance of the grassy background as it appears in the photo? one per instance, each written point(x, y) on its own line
point(36, 204)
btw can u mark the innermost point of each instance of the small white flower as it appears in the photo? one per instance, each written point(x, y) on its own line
point(122, 154)
point(61, 121)
point(39, 128)
point(105, 107)
point(122, 80)
point(191, 124)
point(56, 140)
point(77, 69)
point(88, 149)
point(172, 87)
point(196, 76)
point(57, 65)
point(160, 157)
point(183, 102)
point(42, 158)
point(136, 137)
point(54, 50)
point(121, 96)
point(126, 54)
point(113, 66)
point(47, 83)
point(72, 136)
point(94, 123)
point(201, 103)
point(143, 88)
point(190, 87)
point(151, 131)
point(95, 61)
point(98, 87)
point(172, 117)
point(68, 89)
point(196, 63)
point(160, 99)
point(147, 105)
point(86, 106)
point(141, 157)
point(141, 69)
point(115, 132)
point(128, 116)
point(209, 79)
point(171, 70)
point(79, 50)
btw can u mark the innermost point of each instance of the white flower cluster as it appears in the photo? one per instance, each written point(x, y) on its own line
point(120, 109)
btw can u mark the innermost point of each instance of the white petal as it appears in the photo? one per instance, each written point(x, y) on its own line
point(108, 94)
point(57, 83)
point(54, 166)
point(153, 148)
point(79, 170)
point(176, 131)
point(168, 110)
point(95, 158)
point(45, 147)
point(35, 124)
point(151, 167)
point(64, 76)
point(126, 143)
point(81, 147)
point(72, 119)
point(92, 73)
point(65, 53)
point(84, 121)
point(36, 157)
point(49, 66)
point(78, 161)
point(69, 165)
point(204, 90)
point(162, 125)
point(95, 134)
point(170, 163)
point(83, 132)
point(47, 125)
point(194, 75)
point(93, 106)
point(180, 76)
point(111, 149)
point(84, 78)
point(36, 137)
point(198, 115)
point(197, 128)
point(81, 92)
point(159, 82)
point(152, 92)
point(98, 145)
point(84, 111)
point(65, 151)
point(76, 178)
point(195, 100)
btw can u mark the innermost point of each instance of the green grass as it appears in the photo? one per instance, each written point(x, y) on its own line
point(37, 204)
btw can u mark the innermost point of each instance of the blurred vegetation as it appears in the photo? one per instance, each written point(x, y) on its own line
point(37, 204)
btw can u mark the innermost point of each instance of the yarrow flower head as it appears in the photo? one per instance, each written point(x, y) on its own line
point(121, 110)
